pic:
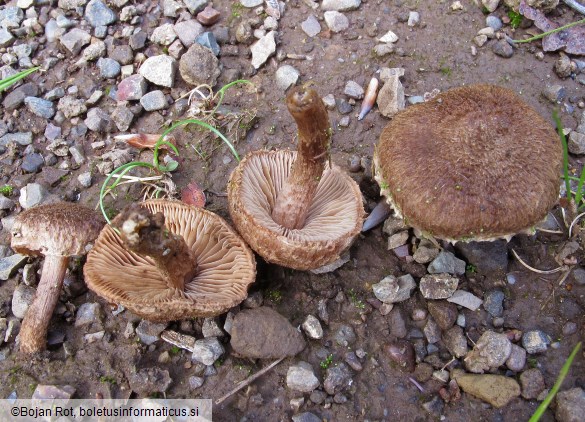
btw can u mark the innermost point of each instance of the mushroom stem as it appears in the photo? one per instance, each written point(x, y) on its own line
point(33, 332)
point(294, 200)
point(144, 233)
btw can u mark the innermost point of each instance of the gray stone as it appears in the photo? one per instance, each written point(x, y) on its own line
point(341, 5)
point(494, 22)
point(52, 31)
point(98, 14)
point(122, 118)
point(286, 76)
point(576, 143)
point(311, 26)
point(195, 382)
point(517, 359)
point(31, 195)
point(195, 6)
point(438, 286)
point(98, 120)
point(354, 90)
point(52, 392)
point(300, 377)
point(22, 50)
point(74, 40)
point(532, 383)
point(59, 147)
point(131, 88)
point(492, 350)
point(11, 16)
point(425, 252)
point(40, 107)
point(160, 70)
point(254, 300)
point(535, 341)
point(263, 49)
point(154, 100)
point(6, 38)
point(20, 138)
point(569, 328)
point(84, 179)
point(108, 68)
point(199, 66)
point(149, 332)
point(489, 258)
point(207, 40)
point(188, 31)
point(391, 97)
point(71, 106)
point(413, 18)
point(344, 335)
point(443, 312)
point(264, 334)
point(336, 21)
point(392, 290)
point(71, 4)
point(446, 262)
point(32, 163)
point(207, 350)
point(455, 341)
point(312, 327)
point(493, 302)
point(170, 8)
point(164, 34)
point(10, 264)
point(21, 300)
point(55, 94)
point(337, 379)
point(338, 263)
point(137, 40)
point(555, 93)
point(465, 299)
point(123, 54)
point(211, 328)
point(432, 331)
point(490, 5)
point(87, 314)
point(150, 380)
point(252, 3)
point(503, 49)
point(306, 417)
point(5, 203)
point(570, 405)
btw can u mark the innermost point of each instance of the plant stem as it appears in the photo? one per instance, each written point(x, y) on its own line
point(565, 154)
point(562, 375)
point(11, 80)
point(544, 34)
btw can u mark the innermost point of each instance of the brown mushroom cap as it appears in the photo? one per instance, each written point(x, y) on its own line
point(59, 229)
point(334, 219)
point(225, 268)
point(474, 163)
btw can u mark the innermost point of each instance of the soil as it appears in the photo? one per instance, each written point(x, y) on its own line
point(436, 55)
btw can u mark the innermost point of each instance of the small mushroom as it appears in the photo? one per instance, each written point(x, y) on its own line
point(56, 231)
point(170, 261)
point(473, 163)
point(295, 209)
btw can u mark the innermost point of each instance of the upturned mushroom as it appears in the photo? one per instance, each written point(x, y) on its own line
point(166, 260)
point(474, 163)
point(56, 231)
point(295, 209)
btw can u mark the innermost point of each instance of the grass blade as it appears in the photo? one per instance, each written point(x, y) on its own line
point(11, 80)
point(565, 155)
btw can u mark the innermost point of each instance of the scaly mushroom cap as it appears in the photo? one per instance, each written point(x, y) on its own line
point(474, 163)
point(225, 268)
point(59, 229)
point(335, 217)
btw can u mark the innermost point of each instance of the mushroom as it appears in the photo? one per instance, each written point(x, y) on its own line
point(181, 262)
point(474, 163)
point(56, 231)
point(295, 209)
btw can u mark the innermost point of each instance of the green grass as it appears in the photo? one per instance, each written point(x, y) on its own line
point(357, 302)
point(553, 391)
point(578, 198)
point(6, 190)
point(274, 295)
point(326, 363)
point(515, 18)
point(108, 379)
point(11, 80)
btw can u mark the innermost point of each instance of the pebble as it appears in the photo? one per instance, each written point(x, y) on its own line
point(122, 118)
point(21, 299)
point(503, 49)
point(455, 341)
point(84, 179)
point(532, 383)
point(5, 203)
point(341, 5)
point(147, 381)
point(401, 352)
point(352, 360)
point(164, 34)
point(432, 331)
point(438, 286)
point(207, 350)
point(562, 66)
point(87, 314)
point(32, 194)
point(569, 328)
point(211, 328)
point(98, 14)
point(443, 312)
point(392, 290)
point(311, 26)
point(10, 264)
point(160, 70)
point(199, 66)
point(397, 240)
point(51, 392)
point(494, 22)
point(391, 97)
point(154, 100)
point(301, 377)
point(345, 335)
point(252, 3)
point(354, 90)
point(306, 417)
point(74, 40)
point(32, 163)
point(312, 327)
point(555, 93)
point(195, 382)
point(131, 88)
point(336, 21)
point(108, 68)
point(71, 106)
point(98, 120)
point(465, 299)
point(570, 405)
point(413, 18)
point(20, 138)
point(343, 107)
point(425, 252)
point(446, 262)
point(493, 302)
point(263, 49)
point(337, 378)
point(576, 144)
point(286, 76)
point(535, 341)
point(195, 6)
point(492, 350)
point(517, 359)
point(208, 16)
point(137, 40)
point(497, 390)
point(149, 332)
point(207, 39)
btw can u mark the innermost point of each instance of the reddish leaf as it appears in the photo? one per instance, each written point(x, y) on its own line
point(144, 140)
point(193, 195)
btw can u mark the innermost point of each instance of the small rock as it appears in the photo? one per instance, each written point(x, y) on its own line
point(341, 5)
point(312, 327)
point(569, 328)
point(432, 331)
point(503, 49)
point(354, 90)
point(532, 383)
point(211, 328)
point(131, 88)
point(98, 120)
point(311, 26)
point(87, 314)
point(393, 290)
point(555, 93)
point(94, 51)
point(40, 107)
point(535, 341)
point(21, 299)
point(50, 392)
point(108, 68)
point(336, 21)
point(208, 16)
point(517, 359)
point(195, 382)
point(84, 179)
point(455, 341)
point(10, 264)
point(490, 5)
point(438, 286)
point(74, 40)
point(150, 380)
point(570, 405)
point(122, 117)
point(563, 66)
point(286, 76)
point(94, 337)
point(31, 195)
point(149, 332)
point(263, 49)
point(300, 377)
point(493, 302)
point(98, 14)
point(352, 360)
point(344, 336)
point(207, 350)
point(401, 352)
point(465, 299)
point(199, 66)
point(154, 100)
point(397, 239)
point(164, 34)
point(488, 258)
point(492, 350)
point(5, 204)
point(443, 312)
point(576, 144)
point(425, 252)
point(337, 378)
point(338, 263)
point(497, 390)
point(207, 40)
point(306, 417)
point(32, 163)
point(391, 97)
point(188, 31)
point(413, 18)
point(446, 262)
point(160, 70)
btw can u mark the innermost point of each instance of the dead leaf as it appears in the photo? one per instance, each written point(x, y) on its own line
point(144, 140)
point(192, 194)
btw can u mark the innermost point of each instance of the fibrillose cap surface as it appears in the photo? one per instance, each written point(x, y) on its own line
point(335, 217)
point(474, 163)
point(59, 229)
point(225, 268)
